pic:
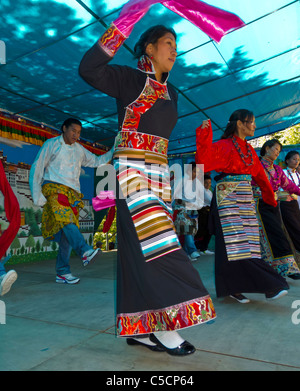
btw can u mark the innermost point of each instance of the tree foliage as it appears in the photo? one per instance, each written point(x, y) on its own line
point(289, 136)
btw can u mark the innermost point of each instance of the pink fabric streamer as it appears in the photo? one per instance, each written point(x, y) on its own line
point(104, 200)
point(213, 21)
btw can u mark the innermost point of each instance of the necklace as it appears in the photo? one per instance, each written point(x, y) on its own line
point(290, 174)
point(243, 157)
point(271, 169)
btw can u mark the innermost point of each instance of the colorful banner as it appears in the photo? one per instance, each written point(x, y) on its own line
point(17, 128)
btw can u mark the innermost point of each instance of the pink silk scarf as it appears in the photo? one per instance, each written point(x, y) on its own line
point(213, 21)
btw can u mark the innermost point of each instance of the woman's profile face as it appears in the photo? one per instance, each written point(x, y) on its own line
point(246, 128)
point(163, 53)
point(272, 153)
point(293, 162)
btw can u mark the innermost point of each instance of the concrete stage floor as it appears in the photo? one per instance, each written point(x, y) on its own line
point(52, 327)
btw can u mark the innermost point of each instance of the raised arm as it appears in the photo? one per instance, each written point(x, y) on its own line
point(92, 160)
point(212, 155)
point(94, 68)
point(214, 21)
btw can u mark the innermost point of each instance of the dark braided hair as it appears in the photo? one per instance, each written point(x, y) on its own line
point(238, 115)
point(270, 144)
point(289, 155)
point(151, 35)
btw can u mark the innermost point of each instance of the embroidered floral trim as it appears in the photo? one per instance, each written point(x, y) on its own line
point(142, 141)
point(176, 317)
point(152, 91)
point(111, 40)
point(145, 65)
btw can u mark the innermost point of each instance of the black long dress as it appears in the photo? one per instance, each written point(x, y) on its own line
point(158, 289)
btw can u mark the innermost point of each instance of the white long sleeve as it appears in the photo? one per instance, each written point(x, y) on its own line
point(207, 197)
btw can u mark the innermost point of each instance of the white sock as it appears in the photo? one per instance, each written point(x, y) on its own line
point(146, 341)
point(170, 339)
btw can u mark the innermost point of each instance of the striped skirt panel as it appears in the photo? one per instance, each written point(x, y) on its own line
point(145, 184)
point(238, 220)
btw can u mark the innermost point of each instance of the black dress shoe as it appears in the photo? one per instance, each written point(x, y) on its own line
point(154, 348)
point(295, 276)
point(182, 350)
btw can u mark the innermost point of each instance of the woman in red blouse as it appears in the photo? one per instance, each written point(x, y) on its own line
point(238, 264)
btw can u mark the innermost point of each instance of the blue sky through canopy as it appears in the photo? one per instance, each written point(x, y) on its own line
point(256, 67)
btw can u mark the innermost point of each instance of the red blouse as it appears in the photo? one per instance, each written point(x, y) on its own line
point(222, 156)
point(12, 211)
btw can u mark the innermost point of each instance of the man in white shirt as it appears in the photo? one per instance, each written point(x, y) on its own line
point(188, 196)
point(54, 184)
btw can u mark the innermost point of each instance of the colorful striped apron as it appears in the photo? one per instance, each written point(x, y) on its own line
point(237, 216)
point(141, 165)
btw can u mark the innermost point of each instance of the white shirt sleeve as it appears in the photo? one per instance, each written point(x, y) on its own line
point(36, 175)
point(207, 197)
point(92, 160)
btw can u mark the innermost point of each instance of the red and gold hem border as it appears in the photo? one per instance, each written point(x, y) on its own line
point(179, 316)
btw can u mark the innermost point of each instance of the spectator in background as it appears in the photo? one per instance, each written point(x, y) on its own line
point(274, 242)
point(188, 199)
point(288, 208)
point(292, 171)
point(203, 236)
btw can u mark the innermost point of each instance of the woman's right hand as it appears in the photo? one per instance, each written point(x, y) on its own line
point(205, 124)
